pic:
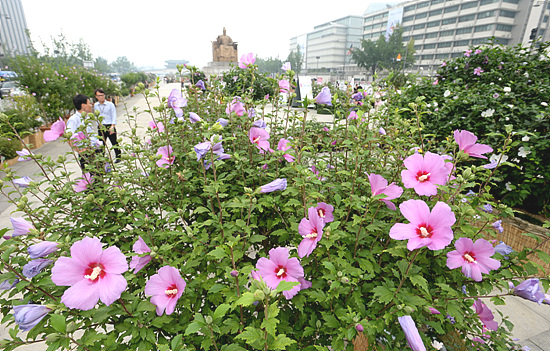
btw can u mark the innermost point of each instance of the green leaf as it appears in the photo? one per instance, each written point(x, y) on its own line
point(232, 347)
point(145, 306)
point(176, 343)
point(383, 294)
point(194, 327)
point(252, 336)
point(218, 253)
point(160, 321)
point(281, 342)
point(543, 256)
point(221, 310)
point(57, 322)
point(286, 286)
point(419, 281)
point(245, 300)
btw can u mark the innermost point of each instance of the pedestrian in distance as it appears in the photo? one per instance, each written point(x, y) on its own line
point(84, 143)
point(107, 130)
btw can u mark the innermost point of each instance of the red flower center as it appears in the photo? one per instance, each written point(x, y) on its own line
point(423, 176)
point(94, 271)
point(321, 212)
point(469, 256)
point(172, 291)
point(424, 231)
point(280, 271)
point(256, 140)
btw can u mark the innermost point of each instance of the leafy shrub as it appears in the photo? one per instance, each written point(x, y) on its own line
point(485, 90)
point(22, 113)
point(8, 148)
point(197, 195)
point(238, 81)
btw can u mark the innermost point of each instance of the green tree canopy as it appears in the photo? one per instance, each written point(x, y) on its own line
point(382, 54)
point(296, 59)
point(123, 65)
point(269, 65)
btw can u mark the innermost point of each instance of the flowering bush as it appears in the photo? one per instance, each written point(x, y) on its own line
point(233, 228)
point(486, 89)
point(55, 83)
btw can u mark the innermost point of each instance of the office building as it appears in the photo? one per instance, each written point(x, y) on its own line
point(13, 29)
point(440, 29)
point(444, 29)
point(325, 48)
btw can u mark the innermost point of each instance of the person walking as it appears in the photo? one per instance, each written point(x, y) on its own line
point(85, 151)
point(107, 130)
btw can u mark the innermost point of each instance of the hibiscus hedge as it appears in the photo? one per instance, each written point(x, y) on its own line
point(248, 229)
point(488, 88)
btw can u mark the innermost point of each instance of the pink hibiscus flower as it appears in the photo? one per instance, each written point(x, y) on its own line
point(56, 130)
point(20, 226)
point(166, 156)
point(235, 106)
point(424, 173)
point(82, 183)
point(259, 137)
point(325, 212)
point(474, 258)
point(431, 229)
point(485, 315)
point(283, 146)
point(156, 126)
point(247, 60)
point(176, 101)
point(312, 231)
point(411, 333)
point(92, 273)
point(278, 268)
point(284, 86)
point(166, 287)
point(137, 263)
point(467, 142)
point(379, 185)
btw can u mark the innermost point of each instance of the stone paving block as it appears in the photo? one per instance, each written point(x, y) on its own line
point(542, 340)
point(532, 346)
point(527, 322)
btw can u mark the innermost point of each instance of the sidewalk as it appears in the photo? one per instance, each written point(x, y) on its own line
point(531, 321)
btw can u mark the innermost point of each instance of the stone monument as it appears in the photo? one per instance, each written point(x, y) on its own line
point(224, 51)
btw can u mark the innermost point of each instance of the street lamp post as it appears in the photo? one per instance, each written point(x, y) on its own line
point(318, 57)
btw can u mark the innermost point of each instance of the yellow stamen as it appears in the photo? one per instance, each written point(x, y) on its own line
point(423, 232)
point(280, 272)
point(423, 177)
point(311, 235)
point(171, 292)
point(95, 273)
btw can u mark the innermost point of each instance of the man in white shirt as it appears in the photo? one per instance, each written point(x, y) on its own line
point(107, 130)
point(82, 144)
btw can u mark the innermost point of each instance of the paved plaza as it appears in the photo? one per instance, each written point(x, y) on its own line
point(532, 321)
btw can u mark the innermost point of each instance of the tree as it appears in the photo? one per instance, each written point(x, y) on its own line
point(296, 59)
point(102, 65)
point(382, 54)
point(123, 65)
point(270, 65)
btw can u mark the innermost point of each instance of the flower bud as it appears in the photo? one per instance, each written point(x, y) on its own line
point(141, 85)
point(90, 198)
point(208, 319)
point(71, 327)
point(408, 309)
point(234, 274)
point(97, 113)
point(359, 328)
point(258, 294)
point(52, 337)
point(318, 324)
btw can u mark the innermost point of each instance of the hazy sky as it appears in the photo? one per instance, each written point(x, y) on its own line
point(150, 32)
